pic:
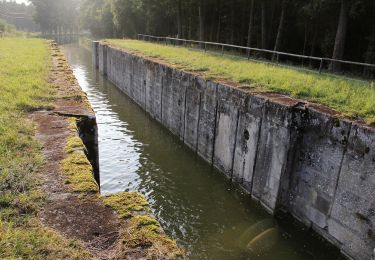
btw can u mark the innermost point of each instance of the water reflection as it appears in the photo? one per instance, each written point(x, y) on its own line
point(194, 203)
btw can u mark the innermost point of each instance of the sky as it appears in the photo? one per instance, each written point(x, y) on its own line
point(20, 1)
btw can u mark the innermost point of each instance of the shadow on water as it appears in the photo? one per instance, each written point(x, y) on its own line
point(195, 204)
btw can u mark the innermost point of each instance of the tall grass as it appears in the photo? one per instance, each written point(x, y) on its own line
point(24, 66)
point(351, 97)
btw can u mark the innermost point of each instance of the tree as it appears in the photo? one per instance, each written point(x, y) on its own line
point(264, 24)
point(56, 16)
point(338, 51)
point(281, 27)
point(97, 17)
point(251, 20)
point(179, 19)
point(201, 19)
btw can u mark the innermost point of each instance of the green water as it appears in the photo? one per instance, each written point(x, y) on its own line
point(196, 205)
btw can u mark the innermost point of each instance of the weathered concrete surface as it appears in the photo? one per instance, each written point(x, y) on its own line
point(193, 94)
point(248, 134)
point(288, 154)
point(276, 140)
point(207, 119)
point(229, 102)
point(352, 214)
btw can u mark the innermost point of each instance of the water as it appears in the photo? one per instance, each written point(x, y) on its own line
point(195, 204)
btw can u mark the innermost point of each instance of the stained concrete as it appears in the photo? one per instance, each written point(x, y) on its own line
point(287, 154)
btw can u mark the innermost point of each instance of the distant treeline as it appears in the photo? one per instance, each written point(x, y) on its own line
point(342, 29)
point(57, 16)
point(19, 15)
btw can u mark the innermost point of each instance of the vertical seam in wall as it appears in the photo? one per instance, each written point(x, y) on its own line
point(339, 172)
point(145, 83)
point(235, 143)
point(285, 167)
point(199, 121)
point(184, 116)
point(131, 89)
point(183, 137)
point(105, 65)
point(161, 102)
point(257, 147)
point(215, 126)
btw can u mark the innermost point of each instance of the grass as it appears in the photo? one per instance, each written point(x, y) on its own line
point(24, 67)
point(352, 98)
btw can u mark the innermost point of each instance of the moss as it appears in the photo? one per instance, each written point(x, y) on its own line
point(126, 203)
point(371, 121)
point(76, 167)
point(79, 173)
point(145, 232)
point(75, 143)
point(142, 230)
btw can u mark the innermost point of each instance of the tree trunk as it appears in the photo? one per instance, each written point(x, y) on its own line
point(338, 51)
point(201, 20)
point(313, 44)
point(280, 30)
point(370, 55)
point(243, 30)
point(179, 19)
point(263, 24)
point(305, 39)
point(250, 29)
point(213, 24)
point(232, 21)
point(218, 21)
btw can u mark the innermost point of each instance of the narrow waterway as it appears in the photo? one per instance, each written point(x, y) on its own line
point(196, 205)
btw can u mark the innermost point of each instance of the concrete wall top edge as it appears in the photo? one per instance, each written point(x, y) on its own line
point(276, 98)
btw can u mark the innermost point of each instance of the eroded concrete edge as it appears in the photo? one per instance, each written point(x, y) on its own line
point(289, 154)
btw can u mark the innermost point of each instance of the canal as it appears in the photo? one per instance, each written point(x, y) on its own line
point(195, 204)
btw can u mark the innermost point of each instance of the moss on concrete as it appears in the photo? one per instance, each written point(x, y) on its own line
point(142, 230)
point(76, 167)
point(126, 203)
point(75, 143)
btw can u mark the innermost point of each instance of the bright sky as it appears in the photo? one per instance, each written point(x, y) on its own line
point(20, 1)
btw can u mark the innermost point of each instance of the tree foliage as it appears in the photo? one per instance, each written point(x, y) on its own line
point(56, 16)
point(342, 29)
point(19, 15)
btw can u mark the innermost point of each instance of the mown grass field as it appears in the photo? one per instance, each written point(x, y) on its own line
point(24, 67)
point(353, 98)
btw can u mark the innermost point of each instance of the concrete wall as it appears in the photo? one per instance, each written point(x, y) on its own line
point(287, 154)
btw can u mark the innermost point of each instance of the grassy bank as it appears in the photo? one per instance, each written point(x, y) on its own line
point(352, 98)
point(24, 67)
